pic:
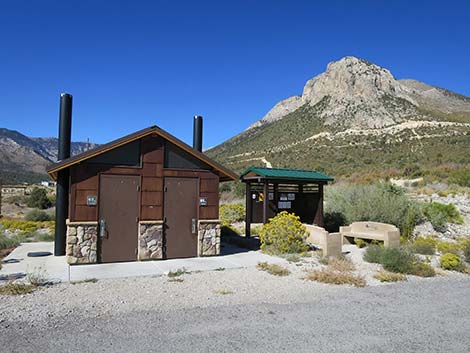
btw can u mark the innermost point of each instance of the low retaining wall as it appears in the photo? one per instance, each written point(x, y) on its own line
point(330, 243)
point(150, 240)
point(82, 238)
point(208, 237)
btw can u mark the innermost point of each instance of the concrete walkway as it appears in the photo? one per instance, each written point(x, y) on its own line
point(56, 269)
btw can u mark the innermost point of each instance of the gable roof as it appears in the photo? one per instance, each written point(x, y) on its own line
point(287, 174)
point(225, 174)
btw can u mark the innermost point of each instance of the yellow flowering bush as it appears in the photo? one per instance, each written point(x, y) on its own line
point(231, 213)
point(25, 226)
point(283, 234)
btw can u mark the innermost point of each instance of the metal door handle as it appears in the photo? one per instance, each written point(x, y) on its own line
point(102, 227)
point(193, 225)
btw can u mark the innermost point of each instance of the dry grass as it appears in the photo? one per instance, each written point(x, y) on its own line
point(273, 269)
point(341, 265)
point(327, 275)
point(177, 273)
point(87, 280)
point(223, 292)
point(13, 288)
point(385, 276)
point(176, 280)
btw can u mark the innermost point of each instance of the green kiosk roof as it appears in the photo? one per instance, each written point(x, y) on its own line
point(279, 173)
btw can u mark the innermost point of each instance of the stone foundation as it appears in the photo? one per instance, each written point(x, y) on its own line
point(82, 240)
point(208, 237)
point(150, 240)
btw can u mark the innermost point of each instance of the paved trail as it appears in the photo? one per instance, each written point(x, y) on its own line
point(422, 316)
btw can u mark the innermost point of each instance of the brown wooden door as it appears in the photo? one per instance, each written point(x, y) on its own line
point(119, 209)
point(181, 214)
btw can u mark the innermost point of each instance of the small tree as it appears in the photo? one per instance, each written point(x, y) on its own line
point(38, 199)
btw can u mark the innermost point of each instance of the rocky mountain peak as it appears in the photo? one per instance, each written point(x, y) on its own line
point(361, 94)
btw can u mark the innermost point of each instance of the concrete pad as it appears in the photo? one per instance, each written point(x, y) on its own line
point(57, 269)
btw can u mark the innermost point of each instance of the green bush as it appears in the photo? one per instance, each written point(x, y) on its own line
point(451, 262)
point(283, 234)
point(231, 213)
point(397, 260)
point(38, 216)
point(380, 202)
point(445, 247)
point(361, 243)
point(6, 242)
point(422, 269)
point(373, 254)
point(424, 246)
point(466, 250)
point(39, 199)
point(460, 177)
point(440, 214)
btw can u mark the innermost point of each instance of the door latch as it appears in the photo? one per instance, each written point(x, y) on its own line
point(102, 227)
point(193, 225)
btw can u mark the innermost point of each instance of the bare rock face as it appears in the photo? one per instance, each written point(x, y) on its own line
point(280, 110)
point(364, 95)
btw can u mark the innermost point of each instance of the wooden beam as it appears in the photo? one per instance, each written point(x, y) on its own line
point(318, 220)
point(248, 210)
point(265, 201)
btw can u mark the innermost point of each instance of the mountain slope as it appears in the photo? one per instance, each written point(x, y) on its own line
point(356, 117)
point(24, 159)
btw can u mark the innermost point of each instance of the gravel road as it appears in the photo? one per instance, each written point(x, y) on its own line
point(242, 310)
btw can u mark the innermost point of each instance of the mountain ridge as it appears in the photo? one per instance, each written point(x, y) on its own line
point(25, 159)
point(358, 117)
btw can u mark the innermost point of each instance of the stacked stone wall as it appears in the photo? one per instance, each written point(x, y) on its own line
point(209, 237)
point(82, 242)
point(150, 240)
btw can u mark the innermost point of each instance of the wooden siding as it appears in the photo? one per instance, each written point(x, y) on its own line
point(84, 180)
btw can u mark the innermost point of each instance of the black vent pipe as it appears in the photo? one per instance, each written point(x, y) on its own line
point(62, 189)
point(197, 133)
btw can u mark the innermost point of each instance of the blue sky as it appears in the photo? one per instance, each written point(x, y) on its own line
point(132, 64)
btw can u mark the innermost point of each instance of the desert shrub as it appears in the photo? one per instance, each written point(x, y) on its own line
point(451, 262)
point(283, 234)
point(424, 246)
point(466, 250)
point(333, 220)
point(327, 275)
point(13, 288)
point(39, 199)
point(460, 177)
point(385, 276)
point(373, 254)
point(255, 230)
point(342, 265)
point(379, 202)
point(361, 243)
point(392, 259)
point(397, 260)
point(422, 269)
point(445, 247)
point(45, 237)
point(440, 214)
point(224, 187)
point(38, 215)
point(273, 269)
point(231, 213)
point(25, 226)
point(6, 242)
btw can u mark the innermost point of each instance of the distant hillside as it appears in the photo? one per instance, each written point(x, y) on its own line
point(355, 118)
point(24, 159)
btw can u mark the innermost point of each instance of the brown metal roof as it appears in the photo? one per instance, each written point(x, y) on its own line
point(225, 174)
